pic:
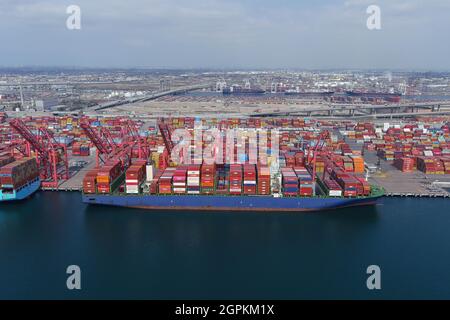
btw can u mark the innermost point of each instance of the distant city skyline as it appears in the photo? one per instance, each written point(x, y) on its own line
point(227, 34)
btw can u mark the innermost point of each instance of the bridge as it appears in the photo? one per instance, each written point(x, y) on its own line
point(152, 96)
point(367, 111)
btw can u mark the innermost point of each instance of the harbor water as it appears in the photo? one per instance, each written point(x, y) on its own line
point(136, 254)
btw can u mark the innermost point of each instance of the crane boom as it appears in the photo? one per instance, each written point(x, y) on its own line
point(51, 156)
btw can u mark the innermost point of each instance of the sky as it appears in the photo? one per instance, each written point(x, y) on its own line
point(327, 34)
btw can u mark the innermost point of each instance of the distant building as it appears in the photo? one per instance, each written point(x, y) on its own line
point(46, 104)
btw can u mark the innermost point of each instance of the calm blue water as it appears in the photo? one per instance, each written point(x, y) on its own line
point(125, 253)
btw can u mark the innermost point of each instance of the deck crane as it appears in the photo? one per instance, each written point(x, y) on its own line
point(51, 156)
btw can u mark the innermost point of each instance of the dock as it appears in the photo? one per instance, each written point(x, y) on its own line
point(408, 184)
point(75, 183)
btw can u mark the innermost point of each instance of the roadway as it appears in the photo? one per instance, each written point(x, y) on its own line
point(371, 111)
point(153, 96)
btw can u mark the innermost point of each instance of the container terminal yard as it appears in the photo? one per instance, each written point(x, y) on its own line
point(337, 134)
point(97, 154)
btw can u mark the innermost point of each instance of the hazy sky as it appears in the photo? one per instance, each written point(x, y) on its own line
point(226, 33)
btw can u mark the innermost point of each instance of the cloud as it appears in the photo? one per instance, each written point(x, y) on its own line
point(220, 33)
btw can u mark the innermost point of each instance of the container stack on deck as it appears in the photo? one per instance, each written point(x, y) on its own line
point(165, 181)
point(17, 174)
point(264, 180)
point(108, 177)
point(135, 177)
point(193, 179)
point(290, 185)
point(235, 179)
point(180, 180)
point(90, 182)
point(207, 179)
point(339, 168)
point(249, 179)
point(306, 181)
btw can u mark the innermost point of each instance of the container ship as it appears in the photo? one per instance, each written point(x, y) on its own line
point(390, 97)
point(319, 176)
point(312, 93)
point(234, 187)
point(19, 179)
point(243, 91)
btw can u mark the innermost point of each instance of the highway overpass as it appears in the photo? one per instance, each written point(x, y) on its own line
point(153, 96)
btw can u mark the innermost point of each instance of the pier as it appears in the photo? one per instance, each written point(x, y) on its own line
point(75, 183)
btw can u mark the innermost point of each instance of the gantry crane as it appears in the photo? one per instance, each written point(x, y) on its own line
point(106, 147)
point(51, 156)
point(129, 131)
point(312, 154)
point(166, 134)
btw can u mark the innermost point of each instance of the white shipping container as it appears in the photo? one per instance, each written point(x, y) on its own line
point(179, 189)
point(249, 182)
point(335, 193)
point(150, 171)
point(128, 181)
point(179, 184)
point(132, 189)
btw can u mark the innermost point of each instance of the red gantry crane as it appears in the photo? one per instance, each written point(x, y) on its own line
point(51, 156)
point(102, 140)
point(165, 132)
point(108, 149)
point(132, 134)
point(313, 153)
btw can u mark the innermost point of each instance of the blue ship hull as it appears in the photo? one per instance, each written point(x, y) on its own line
point(21, 193)
point(226, 203)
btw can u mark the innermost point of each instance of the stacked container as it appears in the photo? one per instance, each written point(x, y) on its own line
point(90, 182)
point(290, 159)
point(249, 179)
point(179, 180)
point(299, 159)
point(193, 179)
point(208, 176)
point(305, 181)
point(18, 173)
point(80, 149)
point(365, 187)
point(222, 181)
point(264, 187)
point(154, 183)
point(235, 179)
point(404, 164)
point(108, 176)
point(358, 164)
point(348, 164)
point(348, 183)
point(446, 163)
point(289, 182)
point(5, 159)
point(165, 181)
point(135, 176)
point(333, 188)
